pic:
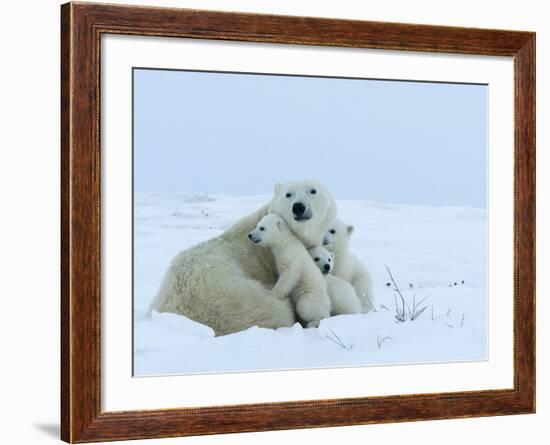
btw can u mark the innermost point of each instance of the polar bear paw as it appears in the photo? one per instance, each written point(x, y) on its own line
point(313, 324)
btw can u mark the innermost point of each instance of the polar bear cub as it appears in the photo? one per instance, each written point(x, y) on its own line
point(343, 298)
point(299, 278)
point(346, 265)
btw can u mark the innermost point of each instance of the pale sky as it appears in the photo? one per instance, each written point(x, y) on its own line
point(239, 134)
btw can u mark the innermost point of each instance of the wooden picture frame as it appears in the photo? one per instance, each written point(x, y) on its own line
point(82, 25)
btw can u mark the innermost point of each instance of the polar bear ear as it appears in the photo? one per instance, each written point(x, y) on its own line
point(332, 256)
point(350, 230)
point(277, 188)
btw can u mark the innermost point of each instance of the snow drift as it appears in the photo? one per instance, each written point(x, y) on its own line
point(437, 256)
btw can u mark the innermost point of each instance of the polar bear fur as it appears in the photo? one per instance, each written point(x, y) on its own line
point(347, 266)
point(319, 209)
point(343, 299)
point(226, 282)
point(299, 278)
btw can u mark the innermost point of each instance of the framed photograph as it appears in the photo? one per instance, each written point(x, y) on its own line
point(274, 222)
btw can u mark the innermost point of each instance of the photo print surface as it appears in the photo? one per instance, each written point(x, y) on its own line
point(294, 222)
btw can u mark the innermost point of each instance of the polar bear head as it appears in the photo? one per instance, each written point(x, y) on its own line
point(307, 207)
point(269, 230)
point(337, 237)
point(323, 259)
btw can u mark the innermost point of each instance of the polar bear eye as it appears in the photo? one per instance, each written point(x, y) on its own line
point(316, 259)
point(329, 260)
point(289, 195)
point(332, 231)
point(262, 228)
point(313, 191)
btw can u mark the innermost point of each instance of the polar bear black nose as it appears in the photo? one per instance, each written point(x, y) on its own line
point(298, 208)
point(326, 267)
point(249, 236)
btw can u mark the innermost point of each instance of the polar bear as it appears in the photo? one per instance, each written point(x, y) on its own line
point(299, 278)
point(343, 299)
point(226, 282)
point(306, 206)
point(346, 265)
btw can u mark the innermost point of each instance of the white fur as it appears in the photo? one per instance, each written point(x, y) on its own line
point(347, 266)
point(299, 278)
point(225, 282)
point(319, 204)
point(343, 297)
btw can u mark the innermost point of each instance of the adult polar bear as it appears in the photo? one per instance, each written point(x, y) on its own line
point(226, 282)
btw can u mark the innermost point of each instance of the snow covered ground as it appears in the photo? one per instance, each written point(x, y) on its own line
point(434, 253)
